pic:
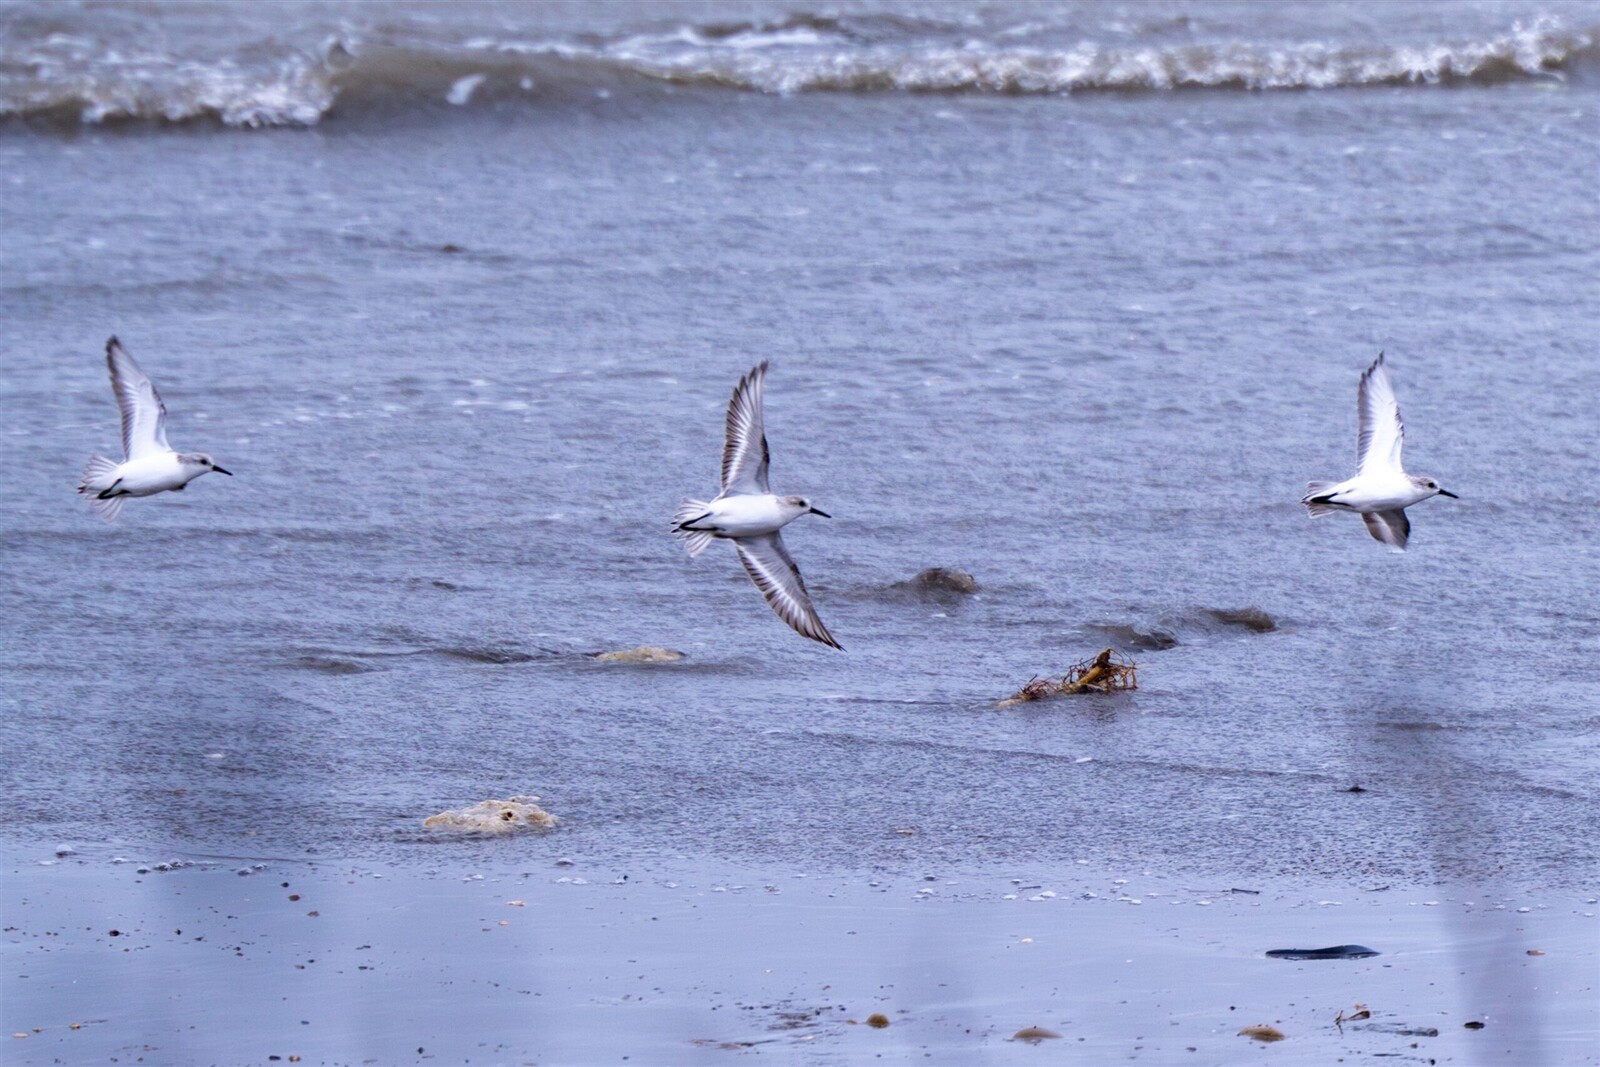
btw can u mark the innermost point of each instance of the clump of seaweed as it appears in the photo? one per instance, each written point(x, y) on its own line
point(1109, 672)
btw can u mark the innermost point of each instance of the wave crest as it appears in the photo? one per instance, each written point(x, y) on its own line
point(1542, 50)
point(80, 80)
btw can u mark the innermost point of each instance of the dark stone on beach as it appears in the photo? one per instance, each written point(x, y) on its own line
point(1335, 952)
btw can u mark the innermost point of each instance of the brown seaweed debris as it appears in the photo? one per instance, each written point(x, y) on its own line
point(1359, 1012)
point(1263, 1033)
point(1034, 1034)
point(1109, 672)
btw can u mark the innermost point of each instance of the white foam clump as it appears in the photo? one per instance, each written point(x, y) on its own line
point(642, 654)
point(493, 817)
point(460, 93)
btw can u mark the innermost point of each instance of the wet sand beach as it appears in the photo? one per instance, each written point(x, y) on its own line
point(340, 963)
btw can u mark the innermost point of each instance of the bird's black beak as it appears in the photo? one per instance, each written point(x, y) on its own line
point(219, 470)
point(824, 514)
point(1448, 493)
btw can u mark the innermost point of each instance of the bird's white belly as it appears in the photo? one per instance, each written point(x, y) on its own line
point(150, 475)
point(1372, 494)
point(745, 516)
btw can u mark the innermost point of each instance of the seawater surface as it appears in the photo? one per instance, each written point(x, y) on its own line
point(1074, 298)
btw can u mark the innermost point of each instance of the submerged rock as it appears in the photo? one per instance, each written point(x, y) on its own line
point(943, 580)
point(642, 654)
point(1170, 629)
point(1251, 618)
point(1146, 637)
point(493, 817)
point(487, 654)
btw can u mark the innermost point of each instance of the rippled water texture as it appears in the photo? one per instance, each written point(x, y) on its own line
point(464, 359)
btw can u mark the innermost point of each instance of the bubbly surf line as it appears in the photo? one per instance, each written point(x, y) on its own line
point(1381, 490)
point(75, 81)
point(748, 514)
point(149, 465)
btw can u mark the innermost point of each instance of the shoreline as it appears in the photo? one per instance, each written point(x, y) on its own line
point(683, 961)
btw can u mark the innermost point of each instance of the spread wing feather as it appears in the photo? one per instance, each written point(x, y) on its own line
point(144, 416)
point(744, 451)
point(1390, 527)
point(773, 570)
point(1382, 432)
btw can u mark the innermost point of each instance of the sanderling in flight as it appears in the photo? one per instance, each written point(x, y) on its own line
point(149, 464)
point(1381, 490)
point(747, 513)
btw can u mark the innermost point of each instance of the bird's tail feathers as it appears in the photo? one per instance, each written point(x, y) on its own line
point(97, 478)
point(688, 511)
point(1318, 508)
point(97, 474)
point(108, 508)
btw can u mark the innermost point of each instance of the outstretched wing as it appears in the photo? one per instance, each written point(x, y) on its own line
point(144, 416)
point(744, 451)
point(1390, 527)
point(774, 572)
point(1382, 432)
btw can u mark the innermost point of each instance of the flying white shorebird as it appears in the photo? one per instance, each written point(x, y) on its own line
point(747, 513)
point(149, 465)
point(1381, 490)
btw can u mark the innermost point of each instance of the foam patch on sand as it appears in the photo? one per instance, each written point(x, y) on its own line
point(493, 817)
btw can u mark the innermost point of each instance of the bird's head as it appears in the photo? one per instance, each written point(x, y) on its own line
point(802, 506)
point(202, 461)
point(1432, 486)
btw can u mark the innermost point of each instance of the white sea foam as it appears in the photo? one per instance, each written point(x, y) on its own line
point(461, 91)
point(84, 79)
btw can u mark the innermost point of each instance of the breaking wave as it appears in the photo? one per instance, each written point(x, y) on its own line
point(77, 79)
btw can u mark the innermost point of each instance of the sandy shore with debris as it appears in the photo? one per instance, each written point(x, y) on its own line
point(235, 961)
